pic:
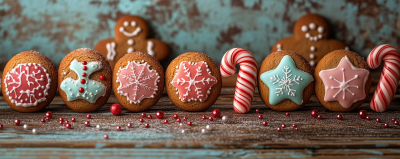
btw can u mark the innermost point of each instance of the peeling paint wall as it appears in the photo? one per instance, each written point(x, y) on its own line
point(57, 27)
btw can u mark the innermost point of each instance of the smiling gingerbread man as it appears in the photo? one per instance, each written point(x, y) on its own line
point(131, 35)
point(311, 39)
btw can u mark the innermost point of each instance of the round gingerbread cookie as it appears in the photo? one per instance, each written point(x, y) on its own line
point(193, 81)
point(138, 81)
point(84, 80)
point(342, 80)
point(285, 81)
point(29, 82)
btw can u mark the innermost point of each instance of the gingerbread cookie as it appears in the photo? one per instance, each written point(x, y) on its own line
point(285, 81)
point(342, 80)
point(193, 81)
point(138, 81)
point(311, 39)
point(131, 35)
point(84, 80)
point(29, 82)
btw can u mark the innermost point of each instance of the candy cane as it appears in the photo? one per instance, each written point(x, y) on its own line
point(389, 78)
point(246, 81)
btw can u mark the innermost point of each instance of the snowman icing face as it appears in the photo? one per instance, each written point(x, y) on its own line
point(130, 25)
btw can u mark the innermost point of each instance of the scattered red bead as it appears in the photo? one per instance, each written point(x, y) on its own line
point(1, 126)
point(165, 121)
point(260, 116)
point(314, 113)
point(176, 116)
point(319, 117)
point(203, 117)
point(141, 120)
point(257, 110)
point(116, 109)
point(66, 122)
point(42, 120)
point(189, 123)
point(160, 114)
point(265, 123)
point(184, 118)
point(105, 136)
point(118, 128)
point(393, 119)
point(396, 122)
point(386, 125)
point(83, 74)
point(294, 125)
point(362, 113)
point(178, 120)
point(68, 126)
point(210, 118)
point(339, 117)
point(296, 128)
point(378, 120)
point(278, 129)
point(149, 116)
point(84, 68)
point(216, 113)
point(47, 118)
point(73, 119)
point(129, 125)
point(368, 118)
point(283, 126)
point(143, 114)
point(287, 114)
point(49, 114)
point(146, 125)
point(101, 77)
point(84, 63)
point(88, 116)
point(17, 122)
point(87, 123)
point(83, 81)
point(62, 119)
point(61, 122)
point(81, 90)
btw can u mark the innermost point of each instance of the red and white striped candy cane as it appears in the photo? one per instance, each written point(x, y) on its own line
point(246, 81)
point(389, 78)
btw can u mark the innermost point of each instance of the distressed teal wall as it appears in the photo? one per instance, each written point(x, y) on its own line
point(57, 27)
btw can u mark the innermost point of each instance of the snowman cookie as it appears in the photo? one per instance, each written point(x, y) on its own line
point(311, 39)
point(29, 82)
point(84, 80)
point(131, 34)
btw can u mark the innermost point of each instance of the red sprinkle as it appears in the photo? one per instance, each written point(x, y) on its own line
point(148, 116)
point(378, 120)
point(386, 125)
point(320, 117)
point(185, 118)
point(146, 125)
point(176, 116)
point(339, 117)
point(393, 119)
point(396, 122)
point(87, 123)
point(189, 123)
point(283, 126)
point(73, 119)
point(368, 118)
point(129, 125)
point(160, 114)
point(265, 123)
point(296, 128)
point(81, 90)
point(203, 117)
point(66, 122)
point(165, 121)
point(47, 118)
point(178, 120)
point(141, 120)
point(17, 122)
point(260, 116)
point(257, 110)
point(1, 126)
point(83, 81)
point(314, 113)
point(84, 63)
point(287, 114)
point(49, 114)
point(62, 119)
point(210, 118)
point(42, 120)
point(105, 136)
point(101, 77)
point(118, 128)
point(84, 68)
point(216, 113)
point(143, 114)
point(278, 129)
point(61, 122)
point(83, 74)
point(362, 113)
point(68, 126)
point(88, 116)
point(294, 125)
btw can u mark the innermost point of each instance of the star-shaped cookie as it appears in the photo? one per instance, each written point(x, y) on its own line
point(286, 82)
point(345, 83)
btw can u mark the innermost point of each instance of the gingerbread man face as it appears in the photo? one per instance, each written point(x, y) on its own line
point(130, 35)
point(310, 39)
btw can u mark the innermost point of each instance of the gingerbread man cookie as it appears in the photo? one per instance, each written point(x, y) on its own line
point(311, 39)
point(131, 35)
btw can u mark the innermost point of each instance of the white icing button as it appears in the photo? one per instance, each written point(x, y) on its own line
point(279, 46)
point(312, 63)
point(320, 29)
point(130, 42)
point(320, 36)
point(312, 48)
point(311, 39)
point(126, 23)
point(307, 35)
point(315, 38)
point(133, 23)
point(312, 26)
point(312, 56)
point(304, 28)
point(130, 50)
point(346, 48)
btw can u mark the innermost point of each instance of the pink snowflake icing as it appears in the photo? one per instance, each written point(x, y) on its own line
point(138, 81)
point(27, 84)
point(193, 81)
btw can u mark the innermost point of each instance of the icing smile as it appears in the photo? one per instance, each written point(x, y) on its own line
point(134, 33)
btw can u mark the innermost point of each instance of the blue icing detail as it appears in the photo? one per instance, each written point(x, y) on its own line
point(92, 89)
point(286, 82)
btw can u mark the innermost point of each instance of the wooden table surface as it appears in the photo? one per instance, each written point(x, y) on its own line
point(241, 136)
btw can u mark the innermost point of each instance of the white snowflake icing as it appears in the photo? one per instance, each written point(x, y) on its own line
point(344, 85)
point(286, 82)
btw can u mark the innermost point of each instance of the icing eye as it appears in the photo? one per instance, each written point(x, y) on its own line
point(126, 23)
point(133, 23)
point(312, 26)
point(304, 28)
point(320, 29)
point(121, 29)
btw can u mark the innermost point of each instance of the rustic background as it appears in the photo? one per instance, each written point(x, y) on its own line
point(57, 27)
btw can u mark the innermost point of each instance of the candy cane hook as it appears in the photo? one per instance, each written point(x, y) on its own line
point(387, 85)
point(246, 81)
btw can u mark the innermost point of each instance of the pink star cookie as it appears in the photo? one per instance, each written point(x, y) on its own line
point(345, 83)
